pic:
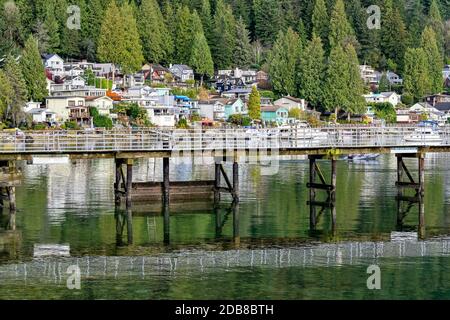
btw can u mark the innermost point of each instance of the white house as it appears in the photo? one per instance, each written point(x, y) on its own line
point(430, 111)
point(383, 97)
point(68, 85)
point(182, 72)
point(40, 115)
point(212, 110)
point(289, 103)
point(61, 105)
point(54, 63)
point(104, 104)
point(86, 91)
point(161, 116)
point(368, 74)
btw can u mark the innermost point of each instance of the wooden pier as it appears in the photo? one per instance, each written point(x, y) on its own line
point(223, 145)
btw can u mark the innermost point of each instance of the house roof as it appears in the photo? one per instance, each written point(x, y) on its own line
point(182, 67)
point(387, 94)
point(443, 106)
point(47, 56)
point(271, 108)
point(93, 98)
point(292, 99)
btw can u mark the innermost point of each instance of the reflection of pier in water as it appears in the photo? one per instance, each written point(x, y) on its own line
point(198, 261)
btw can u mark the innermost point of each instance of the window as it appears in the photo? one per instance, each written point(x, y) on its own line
point(71, 103)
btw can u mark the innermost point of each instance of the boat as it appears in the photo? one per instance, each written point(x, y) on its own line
point(427, 132)
point(301, 131)
point(362, 157)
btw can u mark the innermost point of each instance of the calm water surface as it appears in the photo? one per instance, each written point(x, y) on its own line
point(263, 249)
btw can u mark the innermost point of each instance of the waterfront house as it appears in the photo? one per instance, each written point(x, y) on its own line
point(434, 99)
point(242, 93)
point(368, 74)
point(42, 115)
point(182, 72)
point(104, 104)
point(61, 105)
point(161, 116)
point(383, 97)
point(443, 107)
point(432, 113)
point(158, 73)
point(270, 114)
point(54, 64)
point(289, 103)
point(86, 91)
point(212, 109)
point(234, 106)
point(406, 116)
point(80, 114)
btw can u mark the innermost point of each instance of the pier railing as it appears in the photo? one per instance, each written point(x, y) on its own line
point(213, 139)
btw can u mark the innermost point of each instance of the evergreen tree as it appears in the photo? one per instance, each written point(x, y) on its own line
point(341, 31)
point(434, 59)
point(336, 80)
point(131, 57)
point(283, 60)
point(435, 21)
point(311, 72)
point(119, 41)
point(384, 84)
point(302, 33)
point(91, 28)
point(11, 30)
point(224, 35)
point(254, 104)
point(111, 44)
point(14, 111)
point(320, 20)
point(355, 100)
point(205, 16)
point(152, 30)
point(268, 20)
point(201, 60)
point(182, 35)
point(243, 49)
point(416, 79)
point(6, 94)
point(51, 26)
point(42, 37)
point(416, 23)
point(393, 35)
point(33, 71)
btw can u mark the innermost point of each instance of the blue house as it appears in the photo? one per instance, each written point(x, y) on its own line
point(235, 106)
point(276, 114)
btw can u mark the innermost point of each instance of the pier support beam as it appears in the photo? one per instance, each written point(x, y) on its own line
point(216, 183)
point(405, 181)
point(235, 181)
point(315, 184)
point(166, 182)
point(166, 199)
point(129, 182)
point(403, 170)
point(9, 179)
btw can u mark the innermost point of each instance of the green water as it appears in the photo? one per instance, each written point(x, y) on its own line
point(73, 205)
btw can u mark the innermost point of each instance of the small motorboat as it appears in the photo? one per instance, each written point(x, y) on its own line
point(426, 133)
point(362, 157)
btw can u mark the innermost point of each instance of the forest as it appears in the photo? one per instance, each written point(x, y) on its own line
point(310, 48)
